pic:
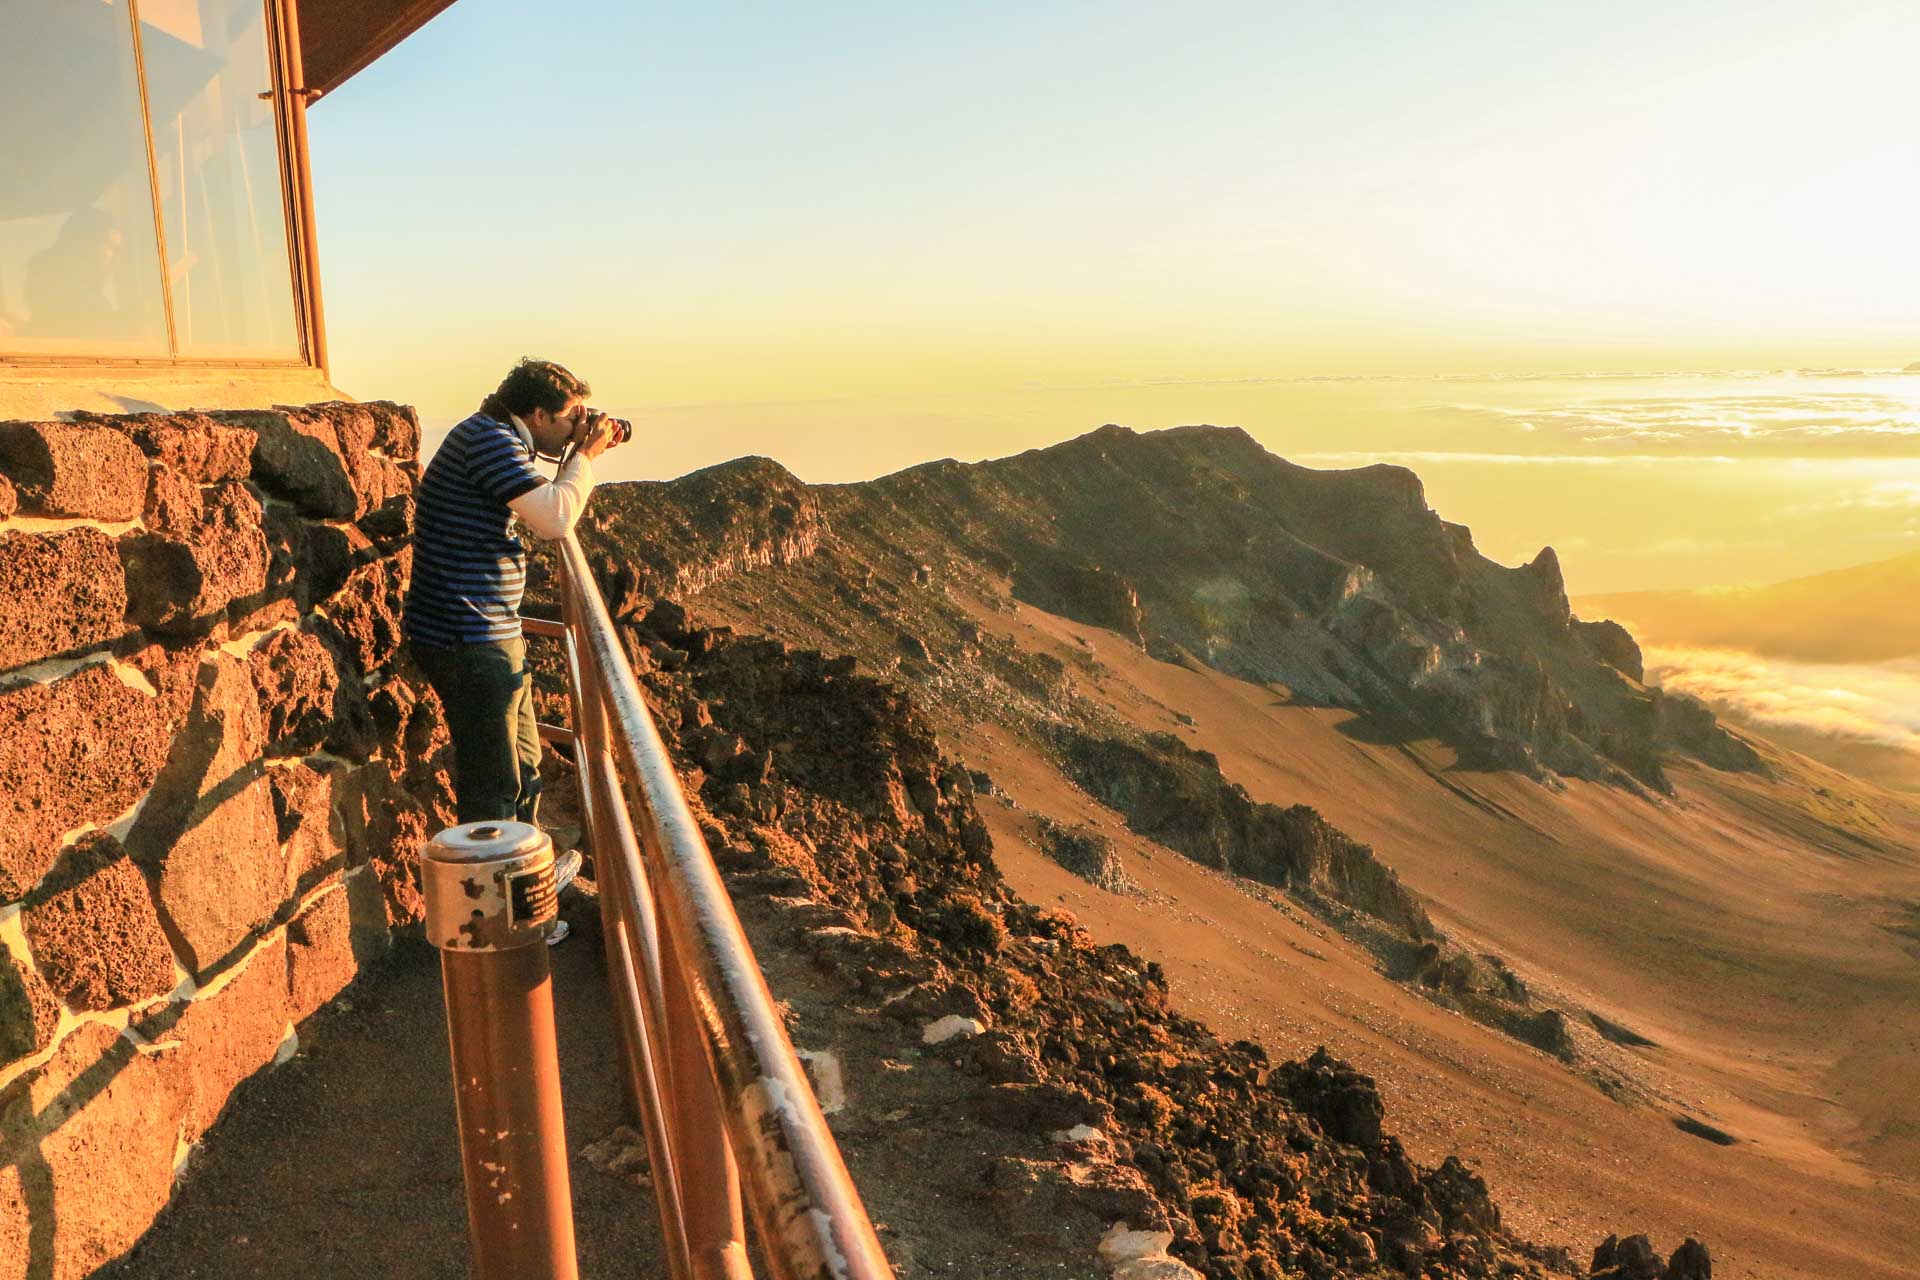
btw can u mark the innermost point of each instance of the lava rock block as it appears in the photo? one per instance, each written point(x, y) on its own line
point(174, 503)
point(322, 457)
point(386, 827)
point(325, 951)
point(29, 1015)
point(396, 429)
point(225, 1037)
point(207, 834)
point(93, 930)
point(306, 821)
point(293, 675)
point(63, 772)
point(193, 445)
point(64, 592)
point(181, 584)
point(96, 1127)
point(86, 471)
point(366, 612)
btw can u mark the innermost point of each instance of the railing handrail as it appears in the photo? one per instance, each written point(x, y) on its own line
point(679, 948)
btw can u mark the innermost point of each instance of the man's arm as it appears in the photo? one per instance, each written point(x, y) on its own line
point(551, 510)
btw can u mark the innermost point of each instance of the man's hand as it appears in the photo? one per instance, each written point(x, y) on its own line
point(598, 437)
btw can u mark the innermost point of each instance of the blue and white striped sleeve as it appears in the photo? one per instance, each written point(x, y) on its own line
point(498, 464)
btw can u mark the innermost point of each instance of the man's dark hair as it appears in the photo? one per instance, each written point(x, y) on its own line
point(533, 384)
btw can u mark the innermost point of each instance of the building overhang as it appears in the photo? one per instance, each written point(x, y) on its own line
point(340, 38)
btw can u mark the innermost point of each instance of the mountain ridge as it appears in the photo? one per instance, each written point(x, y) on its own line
point(1343, 586)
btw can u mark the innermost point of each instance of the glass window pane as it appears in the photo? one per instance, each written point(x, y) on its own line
point(79, 265)
point(218, 158)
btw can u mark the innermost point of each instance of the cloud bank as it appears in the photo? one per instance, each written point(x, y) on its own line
point(1877, 702)
point(1814, 424)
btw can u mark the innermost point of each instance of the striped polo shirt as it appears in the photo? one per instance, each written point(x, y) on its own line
point(469, 570)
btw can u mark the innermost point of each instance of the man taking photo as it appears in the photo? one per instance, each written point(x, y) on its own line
point(462, 616)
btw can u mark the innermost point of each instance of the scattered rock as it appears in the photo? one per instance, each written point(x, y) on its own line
point(1122, 1244)
point(951, 1027)
point(620, 1154)
point(1690, 1261)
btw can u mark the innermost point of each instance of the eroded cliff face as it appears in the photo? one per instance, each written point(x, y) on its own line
point(1341, 586)
point(217, 780)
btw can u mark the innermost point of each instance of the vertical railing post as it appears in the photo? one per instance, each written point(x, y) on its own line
point(709, 1180)
point(627, 923)
point(490, 895)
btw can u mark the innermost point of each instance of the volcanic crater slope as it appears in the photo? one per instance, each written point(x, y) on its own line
point(1075, 1097)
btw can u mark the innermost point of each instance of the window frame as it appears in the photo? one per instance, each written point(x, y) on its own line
point(290, 98)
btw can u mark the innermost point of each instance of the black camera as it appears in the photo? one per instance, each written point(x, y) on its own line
point(622, 429)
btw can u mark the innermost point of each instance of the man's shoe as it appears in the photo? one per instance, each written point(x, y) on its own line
point(565, 867)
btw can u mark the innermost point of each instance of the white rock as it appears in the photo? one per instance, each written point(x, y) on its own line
point(1121, 1244)
point(950, 1027)
point(829, 1081)
point(1156, 1269)
point(1079, 1133)
point(834, 933)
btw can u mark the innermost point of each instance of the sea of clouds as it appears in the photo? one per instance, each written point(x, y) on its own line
point(1877, 702)
point(1810, 424)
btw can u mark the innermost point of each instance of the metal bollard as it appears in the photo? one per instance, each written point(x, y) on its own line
point(490, 898)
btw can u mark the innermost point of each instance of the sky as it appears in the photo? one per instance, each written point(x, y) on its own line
point(854, 237)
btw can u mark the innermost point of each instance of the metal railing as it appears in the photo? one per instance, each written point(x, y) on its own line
point(727, 1109)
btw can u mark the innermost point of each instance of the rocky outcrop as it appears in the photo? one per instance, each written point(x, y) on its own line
point(1689, 724)
point(1176, 795)
point(1084, 592)
point(1614, 645)
point(654, 540)
point(1634, 1259)
point(1087, 854)
point(208, 829)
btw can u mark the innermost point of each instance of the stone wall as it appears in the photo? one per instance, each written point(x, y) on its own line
point(214, 782)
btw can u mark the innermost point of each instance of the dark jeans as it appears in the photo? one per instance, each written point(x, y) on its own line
point(487, 691)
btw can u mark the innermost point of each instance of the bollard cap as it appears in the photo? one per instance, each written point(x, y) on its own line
point(489, 886)
point(487, 841)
